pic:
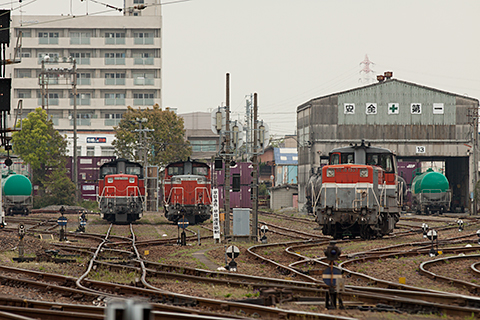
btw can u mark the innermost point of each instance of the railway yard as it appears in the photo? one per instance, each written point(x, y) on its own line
point(396, 277)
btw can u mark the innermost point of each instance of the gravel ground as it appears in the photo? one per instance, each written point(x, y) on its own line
point(155, 226)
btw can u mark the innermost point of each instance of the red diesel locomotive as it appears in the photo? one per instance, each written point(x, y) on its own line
point(121, 191)
point(187, 191)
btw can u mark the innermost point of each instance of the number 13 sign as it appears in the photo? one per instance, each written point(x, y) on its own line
point(420, 149)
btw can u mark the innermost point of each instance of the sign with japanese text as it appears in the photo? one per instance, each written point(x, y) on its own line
point(96, 140)
point(416, 108)
point(215, 214)
point(371, 108)
point(349, 108)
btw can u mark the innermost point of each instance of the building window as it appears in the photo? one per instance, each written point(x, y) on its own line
point(26, 33)
point(114, 58)
point(115, 78)
point(143, 79)
point(83, 99)
point(52, 57)
point(114, 38)
point(108, 151)
point(203, 145)
point(24, 94)
point(79, 151)
point(23, 73)
point(24, 53)
point(80, 37)
point(90, 151)
point(83, 78)
point(51, 99)
point(115, 99)
point(143, 58)
point(143, 38)
point(143, 99)
point(81, 57)
point(138, 1)
point(48, 37)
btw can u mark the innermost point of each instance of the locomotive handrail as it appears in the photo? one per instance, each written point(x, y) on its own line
point(384, 194)
point(105, 190)
point(317, 197)
point(171, 192)
point(196, 194)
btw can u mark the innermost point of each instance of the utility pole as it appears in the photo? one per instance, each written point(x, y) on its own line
point(474, 114)
point(42, 79)
point(75, 156)
point(227, 159)
point(142, 142)
point(66, 73)
point(255, 169)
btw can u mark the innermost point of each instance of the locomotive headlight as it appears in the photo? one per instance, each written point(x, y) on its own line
point(364, 173)
point(131, 180)
point(110, 180)
point(330, 173)
point(201, 180)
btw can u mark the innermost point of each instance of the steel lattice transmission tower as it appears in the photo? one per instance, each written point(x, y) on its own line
point(368, 75)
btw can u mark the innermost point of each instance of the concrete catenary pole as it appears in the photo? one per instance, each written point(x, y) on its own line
point(75, 156)
point(227, 159)
point(255, 169)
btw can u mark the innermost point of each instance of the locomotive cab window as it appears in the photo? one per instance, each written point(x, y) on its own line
point(335, 158)
point(385, 161)
point(347, 158)
point(201, 171)
point(133, 170)
point(106, 171)
point(174, 171)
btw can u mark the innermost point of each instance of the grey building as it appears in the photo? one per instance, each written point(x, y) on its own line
point(418, 123)
point(198, 130)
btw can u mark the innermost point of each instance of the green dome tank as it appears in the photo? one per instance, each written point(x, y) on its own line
point(430, 182)
point(16, 185)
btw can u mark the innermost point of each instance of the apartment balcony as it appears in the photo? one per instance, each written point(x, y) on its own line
point(85, 124)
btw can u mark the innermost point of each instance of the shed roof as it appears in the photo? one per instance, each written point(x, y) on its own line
point(306, 104)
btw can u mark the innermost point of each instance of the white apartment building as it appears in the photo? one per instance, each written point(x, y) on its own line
point(118, 61)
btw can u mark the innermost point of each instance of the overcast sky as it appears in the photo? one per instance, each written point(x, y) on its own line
point(289, 52)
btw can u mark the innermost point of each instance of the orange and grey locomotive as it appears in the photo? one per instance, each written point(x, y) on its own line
point(121, 191)
point(187, 191)
point(357, 193)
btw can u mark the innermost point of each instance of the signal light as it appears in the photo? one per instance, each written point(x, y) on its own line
point(332, 252)
point(218, 164)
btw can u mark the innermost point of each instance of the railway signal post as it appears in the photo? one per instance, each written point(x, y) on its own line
point(232, 252)
point(333, 278)
point(263, 231)
point(62, 222)
point(182, 224)
point(424, 229)
point(433, 236)
point(21, 235)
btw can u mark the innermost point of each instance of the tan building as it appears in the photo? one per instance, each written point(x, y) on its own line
point(118, 61)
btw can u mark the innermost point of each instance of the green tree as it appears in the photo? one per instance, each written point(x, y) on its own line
point(45, 150)
point(164, 145)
